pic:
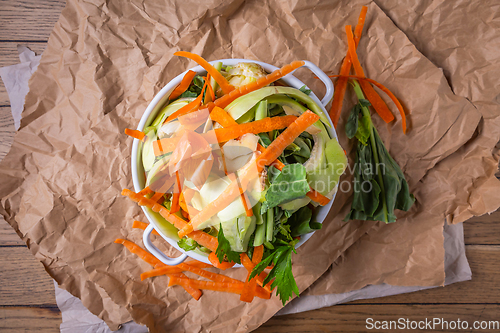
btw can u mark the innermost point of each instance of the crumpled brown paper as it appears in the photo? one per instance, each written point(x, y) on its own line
point(106, 60)
point(461, 185)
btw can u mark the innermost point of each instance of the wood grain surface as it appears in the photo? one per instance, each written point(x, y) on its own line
point(27, 302)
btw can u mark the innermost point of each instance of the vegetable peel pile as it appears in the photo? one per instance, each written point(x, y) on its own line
point(235, 164)
point(238, 162)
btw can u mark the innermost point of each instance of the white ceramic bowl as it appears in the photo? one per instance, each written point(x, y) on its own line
point(165, 229)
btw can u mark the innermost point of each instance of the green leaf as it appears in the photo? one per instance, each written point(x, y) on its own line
point(187, 244)
point(351, 127)
point(379, 184)
point(264, 139)
point(363, 132)
point(364, 102)
point(224, 249)
point(396, 188)
point(304, 150)
point(284, 282)
point(305, 90)
point(272, 174)
point(188, 93)
point(301, 222)
point(289, 184)
point(198, 82)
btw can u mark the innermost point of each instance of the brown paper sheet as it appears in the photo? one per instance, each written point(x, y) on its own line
point(105, 61)
point(463, 184)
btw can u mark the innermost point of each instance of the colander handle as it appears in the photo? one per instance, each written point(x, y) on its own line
point(324, 78)
point(157, 253)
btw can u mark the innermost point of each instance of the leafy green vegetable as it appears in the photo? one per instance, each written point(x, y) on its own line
point(305, 90)
point(195, 88)
point(188, 93)
point(264, 140)
point(289, 184)
point(224, 249)
point(324, 179)
point(379, 184)
point(301, 222)
point(282, 274)
point(187, 244)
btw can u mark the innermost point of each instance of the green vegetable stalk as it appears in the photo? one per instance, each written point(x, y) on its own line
point(379, 184)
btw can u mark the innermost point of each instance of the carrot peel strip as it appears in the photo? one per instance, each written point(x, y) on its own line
point(217, 76)
point(258, 253)
point(376, 101)
point(341, 84)
point(384, 89)
point(183, 86)
point(249, 265)
point(212, 257)
point(140, 252)
point(193, 291)
point(143, 226)
point(258, 126)
point(276, 147)
point(208, 275)
point(190, 107)
point(207, 285)
point(202, 238)
point(260, 83)
point(222, 117)
point(135, 134)
point(266, 158)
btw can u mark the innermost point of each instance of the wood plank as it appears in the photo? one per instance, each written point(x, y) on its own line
point(7, 132)
point(352, 318)
point(28, 19)
point(8, 236)
point(23, 280)
point(29, 319)
point(483, 229)
point(9, 56)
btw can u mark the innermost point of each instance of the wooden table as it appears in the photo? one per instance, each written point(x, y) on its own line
point(27, 300)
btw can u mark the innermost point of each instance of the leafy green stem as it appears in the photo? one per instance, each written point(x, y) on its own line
point(366, 113)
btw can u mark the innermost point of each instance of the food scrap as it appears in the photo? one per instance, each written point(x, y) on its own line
point(217, 159)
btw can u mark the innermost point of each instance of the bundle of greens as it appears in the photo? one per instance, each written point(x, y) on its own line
point(379, 184)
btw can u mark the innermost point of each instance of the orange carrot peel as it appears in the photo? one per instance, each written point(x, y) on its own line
point(135, 134)
point(166, 145)
point(252, 86)
point(202, 238)
point(249, 265)
point(384, 89)
point(341, 84)
point(210, 95)
point(143, 226)
point(173, 269)
point(212, 257)
point(183, 86)
point(255, 127)
point(217, 76)
point(235, 288)
point(190, 107)
point(140, 252)
point(376, 101)
point(266, 158)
